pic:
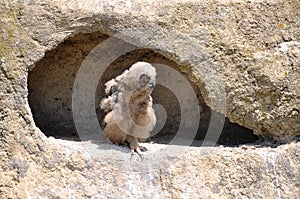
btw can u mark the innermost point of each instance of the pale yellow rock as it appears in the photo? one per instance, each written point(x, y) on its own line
point(244, 51)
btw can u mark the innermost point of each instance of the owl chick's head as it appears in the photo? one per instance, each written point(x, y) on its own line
point(141, 77)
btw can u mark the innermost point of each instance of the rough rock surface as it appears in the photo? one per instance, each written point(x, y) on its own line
point(92, 171)
point(247, 52)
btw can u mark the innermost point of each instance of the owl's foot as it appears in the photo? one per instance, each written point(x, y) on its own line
point(137, 151)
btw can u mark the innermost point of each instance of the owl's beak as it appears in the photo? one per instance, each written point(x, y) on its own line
point(151, 85)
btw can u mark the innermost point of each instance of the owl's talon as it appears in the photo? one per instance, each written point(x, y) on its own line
point(138, 152)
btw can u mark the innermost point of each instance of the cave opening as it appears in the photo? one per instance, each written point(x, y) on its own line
point(51, 80)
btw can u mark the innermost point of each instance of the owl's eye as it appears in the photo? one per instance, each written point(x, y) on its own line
point(144, 79)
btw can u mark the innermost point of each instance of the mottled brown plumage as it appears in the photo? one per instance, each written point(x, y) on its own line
point(128, 106)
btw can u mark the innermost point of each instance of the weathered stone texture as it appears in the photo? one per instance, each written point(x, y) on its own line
point(244, 53)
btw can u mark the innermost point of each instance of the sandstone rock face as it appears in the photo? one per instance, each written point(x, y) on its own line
point(65, 171)
point(241, 58)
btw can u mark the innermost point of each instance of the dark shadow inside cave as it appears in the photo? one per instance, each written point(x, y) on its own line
point(51, 80)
